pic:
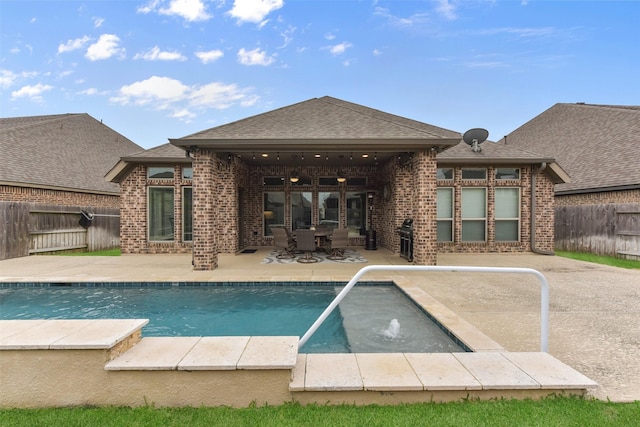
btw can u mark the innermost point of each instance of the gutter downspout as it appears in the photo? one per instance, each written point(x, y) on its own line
point(534, 172)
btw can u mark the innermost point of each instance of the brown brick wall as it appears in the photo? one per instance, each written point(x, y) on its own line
point(223, 180)
point(544, 213)
point(133, 213)
point(599, 198)
point(57, 197)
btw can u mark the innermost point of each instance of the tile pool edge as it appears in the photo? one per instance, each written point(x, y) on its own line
point(459, 330)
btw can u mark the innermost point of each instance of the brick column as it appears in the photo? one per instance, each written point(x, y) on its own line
point(424, 208)
point(205, 174)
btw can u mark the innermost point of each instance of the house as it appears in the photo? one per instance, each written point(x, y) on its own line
point(52, 168)
point(599, 147)
point(329, 161)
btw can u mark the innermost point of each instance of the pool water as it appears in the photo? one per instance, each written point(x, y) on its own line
point(361, 323)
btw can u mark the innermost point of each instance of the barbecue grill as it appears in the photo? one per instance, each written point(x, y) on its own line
point(406, 239)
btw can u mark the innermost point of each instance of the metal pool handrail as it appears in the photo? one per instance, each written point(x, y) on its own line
point(544, 292)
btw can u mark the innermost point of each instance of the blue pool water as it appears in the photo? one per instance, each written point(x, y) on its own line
point(361, 323)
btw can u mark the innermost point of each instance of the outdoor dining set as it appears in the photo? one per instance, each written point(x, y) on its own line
point(302, 243)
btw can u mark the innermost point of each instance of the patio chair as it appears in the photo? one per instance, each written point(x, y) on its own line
point(306, 242)
point(283, 244)
point(339, 242)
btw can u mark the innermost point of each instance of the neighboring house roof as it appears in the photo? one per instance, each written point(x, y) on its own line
point(70, 152)
point(162, 154)
point(324, 124)
point(598, 145)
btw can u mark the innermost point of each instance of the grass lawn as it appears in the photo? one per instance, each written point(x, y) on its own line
point(547, 412)
point(598, 259)
point(107, 252)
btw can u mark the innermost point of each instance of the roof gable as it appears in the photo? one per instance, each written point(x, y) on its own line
point(598, 145)
point(65, 151)
point(323, 118)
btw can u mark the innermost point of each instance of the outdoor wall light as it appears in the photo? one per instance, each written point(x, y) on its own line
point(295, 177)
point(341, 177)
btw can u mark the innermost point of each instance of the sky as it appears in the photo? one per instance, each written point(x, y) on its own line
point(158, 69)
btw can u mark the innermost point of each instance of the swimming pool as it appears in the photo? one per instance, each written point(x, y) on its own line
point(363, 323)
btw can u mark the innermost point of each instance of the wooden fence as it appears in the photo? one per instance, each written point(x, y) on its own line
point(28, 228)
point(612, 229)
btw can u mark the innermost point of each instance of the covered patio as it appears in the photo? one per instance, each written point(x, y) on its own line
point(322, 161)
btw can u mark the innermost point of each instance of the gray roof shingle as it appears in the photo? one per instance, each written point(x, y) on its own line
point(598, 145)
point(324, 118)
point(65, 151)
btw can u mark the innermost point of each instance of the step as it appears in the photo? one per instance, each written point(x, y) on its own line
point(434, 371)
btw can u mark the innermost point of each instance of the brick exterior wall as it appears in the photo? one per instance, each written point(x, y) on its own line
point(424, 208)
point(544, 213)
point(599, 198)
point(57, 197)
point(205, 222)
point(133, 213)
point(223, 189)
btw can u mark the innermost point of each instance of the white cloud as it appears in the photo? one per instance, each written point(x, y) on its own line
point(32, 92)
point(190, 10)
point(377, 52)
point(7, 78)
point(329, 36)
point(220, 96)
point(154, 89)
point(414, 20)
point(164, 93)
point(446, 9)
point(104, 48)
point(254, 57)
point(155, 54)
point(254, 10)
point(92, 92)
point(339, 48)
point(209, 56)
point(183, 114)
point(97, 22)
point(73, 44)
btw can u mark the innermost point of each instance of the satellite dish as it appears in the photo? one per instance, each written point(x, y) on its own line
point(475, 137)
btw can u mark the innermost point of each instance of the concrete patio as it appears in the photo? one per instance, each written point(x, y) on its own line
point(594, 309)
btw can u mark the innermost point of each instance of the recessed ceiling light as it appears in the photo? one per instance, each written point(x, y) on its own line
point(265, 154)
point(364, 156)
point(317, 156)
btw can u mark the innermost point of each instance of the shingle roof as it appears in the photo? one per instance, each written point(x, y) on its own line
point(323, 118)
point(598, 145)
point(491, 153)
point(65, 151)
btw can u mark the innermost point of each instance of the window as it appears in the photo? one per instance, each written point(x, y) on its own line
point(187, 173)
point(160, 172)
point(474, 173)
point(273, 180)
point(474, 214)
point(357, 182)
point(301, 210)
point(187, 214)
point(507, 214)
point(445, 214)
point(303, 180)
point(160, 213)
point(329, 209)
point(357, 213)
point(328, 182)
point(445, 173)
point(273, 211)
point(507, 173)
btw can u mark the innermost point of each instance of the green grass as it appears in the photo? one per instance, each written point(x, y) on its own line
point(559, 411)
point(107, 252)
point(599, 259)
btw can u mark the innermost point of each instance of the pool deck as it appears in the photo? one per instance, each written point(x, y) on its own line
point(593, 308)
